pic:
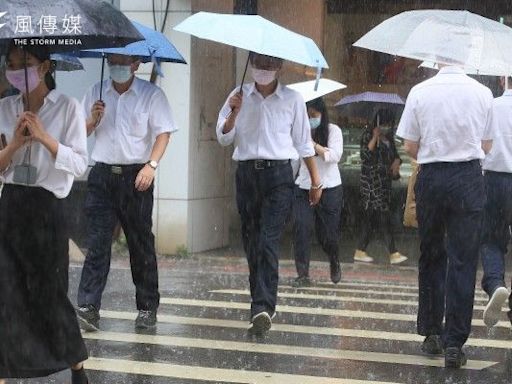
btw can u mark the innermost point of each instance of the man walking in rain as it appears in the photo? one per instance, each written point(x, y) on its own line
point(498, 209)
point(132, 125)
point(447, 126)
point(269, 126)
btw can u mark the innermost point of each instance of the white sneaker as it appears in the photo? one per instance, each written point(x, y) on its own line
point(362, 257)
point(492, 310)
point(397, 258)
point(260, 323)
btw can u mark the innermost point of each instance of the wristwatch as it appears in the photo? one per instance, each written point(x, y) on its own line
point(153, 164)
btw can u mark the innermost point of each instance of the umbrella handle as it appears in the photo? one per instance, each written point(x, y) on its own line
point(102, 74)
point(245, 72)
point(27, 105)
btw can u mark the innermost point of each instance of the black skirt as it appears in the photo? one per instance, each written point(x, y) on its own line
point(39, 332)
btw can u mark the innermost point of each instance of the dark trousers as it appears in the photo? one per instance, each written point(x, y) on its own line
point(264, 198)
point(450, 199)
point(112, 197)
point(325, 217)
point(496, 230)
point(371, 220)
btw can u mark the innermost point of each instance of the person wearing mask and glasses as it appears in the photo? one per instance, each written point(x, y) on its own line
point(44, 149)
point(268, 125)
point(325, 217)
point(132, 127)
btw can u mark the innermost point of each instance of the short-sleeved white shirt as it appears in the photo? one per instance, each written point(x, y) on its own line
point(449, 115)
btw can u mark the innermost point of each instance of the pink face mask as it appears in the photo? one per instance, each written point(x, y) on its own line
point(17, 78)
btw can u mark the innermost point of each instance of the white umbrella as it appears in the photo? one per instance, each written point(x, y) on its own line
point(308, 92)
point(447, 37)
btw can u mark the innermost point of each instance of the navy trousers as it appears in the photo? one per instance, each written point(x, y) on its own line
point(324, 217)
point(450, 199)
point(112, 197)
point(496, 230)
point(264, 198)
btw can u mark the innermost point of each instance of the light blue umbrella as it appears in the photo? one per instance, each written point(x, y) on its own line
point(254, 33)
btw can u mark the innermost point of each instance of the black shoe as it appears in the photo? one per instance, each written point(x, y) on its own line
point(88, 318)
point(454, 357)
point(260, 323)
point(79, 376)
point(335, 271)
point(145, 320)
point(432, 345)
point(301, 281)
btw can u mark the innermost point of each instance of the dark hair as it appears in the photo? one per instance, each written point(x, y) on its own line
point(321, 135)
point(41, 53)
point(384, 117)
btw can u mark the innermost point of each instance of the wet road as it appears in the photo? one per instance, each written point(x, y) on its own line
point(361, 331)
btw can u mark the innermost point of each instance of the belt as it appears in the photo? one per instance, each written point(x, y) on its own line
point(119, 169)
point(263, 164)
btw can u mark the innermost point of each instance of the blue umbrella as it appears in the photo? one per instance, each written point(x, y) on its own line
point(154, 46)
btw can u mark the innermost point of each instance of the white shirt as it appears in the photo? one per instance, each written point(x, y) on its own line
point(132, 121)
point(271, 128)
point(63, 119)
point(499, 159)
point(449, 115)
point(328, 165)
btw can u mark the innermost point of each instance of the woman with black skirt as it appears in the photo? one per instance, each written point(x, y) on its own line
point(380, 164)
point(46, 149)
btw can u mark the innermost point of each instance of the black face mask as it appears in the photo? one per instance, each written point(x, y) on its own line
point(386, 130)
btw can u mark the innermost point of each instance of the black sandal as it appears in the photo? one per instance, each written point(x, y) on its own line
point(78, 376)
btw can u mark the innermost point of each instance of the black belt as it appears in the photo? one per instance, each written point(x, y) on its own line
point(119, 169)
point(451, 164)
point(263, 164)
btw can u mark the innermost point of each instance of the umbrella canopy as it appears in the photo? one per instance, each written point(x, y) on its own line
point(254, 33)
point(64, 25)
point(307, 88)
point(365, 105)
point(155, 46)
point(66, 63)
point(447, 37)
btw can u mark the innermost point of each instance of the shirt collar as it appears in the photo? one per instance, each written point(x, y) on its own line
point(278, 92)
point(52, 96)
point(508, 92)
point(135, 86)
point(452, 69)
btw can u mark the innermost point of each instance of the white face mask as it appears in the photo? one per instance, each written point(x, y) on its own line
point(262, 76)
point(120, 73)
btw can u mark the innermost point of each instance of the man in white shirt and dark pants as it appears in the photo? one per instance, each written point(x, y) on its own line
point(132, 125)
point(269, 126)
point(447, 126)
point(498, 210)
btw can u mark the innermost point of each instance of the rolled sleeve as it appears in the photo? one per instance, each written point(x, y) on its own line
point(72, 151)
point(301, 131)
point(160, 115)
point(409, 128)
point(225, 139)
point(334, 145)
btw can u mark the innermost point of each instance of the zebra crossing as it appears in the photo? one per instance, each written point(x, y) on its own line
point(356, 332)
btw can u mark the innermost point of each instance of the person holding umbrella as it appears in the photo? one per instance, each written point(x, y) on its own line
point(448, 127)
point(326, 215)
point(45, 150)
point(380, 164)
point(132, 125)
point(268, 124)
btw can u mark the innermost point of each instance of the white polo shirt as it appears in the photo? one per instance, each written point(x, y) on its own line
point(449, 115)
point(499, 159)
point(271, 128)
point(63, 119)
point(327, 165)
point(132, 121)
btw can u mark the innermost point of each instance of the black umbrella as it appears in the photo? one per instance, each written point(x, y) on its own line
point(64, 25)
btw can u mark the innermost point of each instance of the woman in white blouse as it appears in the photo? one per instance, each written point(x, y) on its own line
point(46, 149)
point(326, 216)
